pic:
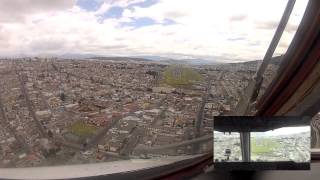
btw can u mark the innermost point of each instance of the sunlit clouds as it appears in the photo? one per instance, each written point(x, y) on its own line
point(212, 29)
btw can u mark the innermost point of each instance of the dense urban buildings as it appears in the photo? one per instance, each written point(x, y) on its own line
point(285, 147)
point(67, 111)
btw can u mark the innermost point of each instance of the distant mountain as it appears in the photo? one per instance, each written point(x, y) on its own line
point(274, 60)
point(115, 58)
point(160, 59)
point(192, 61)
point(152, 58)
point(102, 57)
point(157, 59)
point(77, 56)
point(199, 61)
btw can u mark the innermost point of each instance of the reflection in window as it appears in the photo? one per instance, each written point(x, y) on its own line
point(282, 144)
point(227, 147)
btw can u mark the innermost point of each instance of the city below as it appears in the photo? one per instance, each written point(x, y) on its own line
point(290, 147)
point(69, 111)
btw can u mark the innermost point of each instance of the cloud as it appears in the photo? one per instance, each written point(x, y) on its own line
point(4, 38)
point(291, 28)
point(49, 45)
point(102, 6)
point(283, 44)
point(115, 47)
point(213, 29)
point(267, 25)
point(103, 9)
point(175, 14)
point(18, 10)
point(239, 17)
point(236, 39)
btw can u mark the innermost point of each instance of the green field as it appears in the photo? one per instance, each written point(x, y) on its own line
point(263, 145)
point(178, 75)
point(82, 129)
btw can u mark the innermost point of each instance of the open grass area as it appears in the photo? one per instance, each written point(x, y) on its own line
point(178, 75)
point(263, 145)
point(82, 129)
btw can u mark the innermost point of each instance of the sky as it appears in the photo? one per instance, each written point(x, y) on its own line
point(216, 30)
point(287, 131)
point(277, 132)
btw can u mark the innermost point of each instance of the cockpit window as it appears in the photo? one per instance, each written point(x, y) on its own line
point(88, 81)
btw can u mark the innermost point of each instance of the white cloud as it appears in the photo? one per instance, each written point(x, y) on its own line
point(240, 30)
point(18, 10)
point(287, 131)
point(107, 4)
point(103, 8)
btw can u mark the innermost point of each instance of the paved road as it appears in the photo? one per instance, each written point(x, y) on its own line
point(143, 150)
point(200, 116)
point(5, 124)
point(131, 142)
point(159, 118)
point(24, 91)
point(101, 134)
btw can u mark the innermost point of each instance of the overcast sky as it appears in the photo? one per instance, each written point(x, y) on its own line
point(275, 132)
point(221, 30)
point(288, 130)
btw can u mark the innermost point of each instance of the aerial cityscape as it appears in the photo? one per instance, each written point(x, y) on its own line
point(226, 147)
point(158, 89)
point(285, 147)
point(68, 111)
